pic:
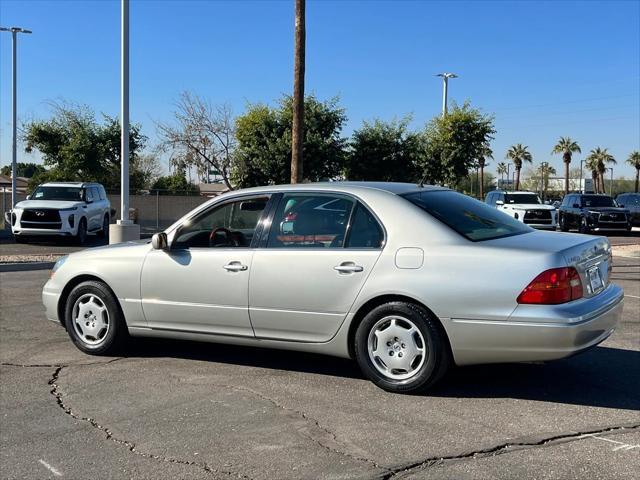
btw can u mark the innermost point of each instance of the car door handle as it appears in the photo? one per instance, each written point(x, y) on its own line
point(348, 267)
point(235, 267)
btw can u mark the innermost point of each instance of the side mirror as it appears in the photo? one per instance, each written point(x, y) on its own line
point(575, 205)
point(499, 202)
point(621, 205)
point(159, 241)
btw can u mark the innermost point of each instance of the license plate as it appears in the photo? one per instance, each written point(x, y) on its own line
point(595, 279)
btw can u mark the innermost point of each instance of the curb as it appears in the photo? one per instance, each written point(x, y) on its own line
point(25, 267)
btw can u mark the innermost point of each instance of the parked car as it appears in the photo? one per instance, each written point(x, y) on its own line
point(525, 207)
point(592, 212)
point(404, 279)
point(64, 209)
point(630, 201)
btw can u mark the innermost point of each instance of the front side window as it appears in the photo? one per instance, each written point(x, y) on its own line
point(310, 221)
point(232, 224)
point(57, 193)
point(471, 218)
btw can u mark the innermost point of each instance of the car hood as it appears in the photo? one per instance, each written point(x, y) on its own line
point(529, 206)
point(48, 204)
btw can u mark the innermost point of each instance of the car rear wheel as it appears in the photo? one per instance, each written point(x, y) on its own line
point(104, 233)
point(400, 347)
point(93, 319)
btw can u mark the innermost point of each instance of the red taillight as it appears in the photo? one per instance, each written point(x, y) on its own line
point(558, 285)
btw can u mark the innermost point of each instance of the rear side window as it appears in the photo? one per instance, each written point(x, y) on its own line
point(365, 231)
point(471, 218)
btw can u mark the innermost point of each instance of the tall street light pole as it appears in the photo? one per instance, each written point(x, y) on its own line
point(611, 186)
point(445, 86)
point(14, 115)
point(581, 175)
point(297, 127)
point(125, 229)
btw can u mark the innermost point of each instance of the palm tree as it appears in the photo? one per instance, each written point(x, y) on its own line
point(634, 161)
point(517, 154)
point(567, 147)
point(502, 170)
point(485, 154)
point(297, 128)
point(602, 158)
point(591, 164)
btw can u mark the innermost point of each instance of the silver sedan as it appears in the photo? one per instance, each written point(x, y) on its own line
point(407, 280)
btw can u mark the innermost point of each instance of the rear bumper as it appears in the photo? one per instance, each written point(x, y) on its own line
point(538, 332)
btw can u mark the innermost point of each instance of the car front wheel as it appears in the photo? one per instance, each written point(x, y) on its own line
point(563, 223)
point(584, 225)
point(81, 235)
point(104, 233)
point(93, 319)
point(401, 348)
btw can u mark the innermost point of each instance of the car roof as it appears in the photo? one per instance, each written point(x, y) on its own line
point(391, 187)
point(69, 184)
point(512, 192)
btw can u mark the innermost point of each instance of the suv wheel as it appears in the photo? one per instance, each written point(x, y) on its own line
point(93, 319)
point(584, 225)
point(81, 236)
point(562, 222)
point(400, 348)
point(104, 233)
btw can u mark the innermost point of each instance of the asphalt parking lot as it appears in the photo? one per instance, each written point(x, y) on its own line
point(172, 409)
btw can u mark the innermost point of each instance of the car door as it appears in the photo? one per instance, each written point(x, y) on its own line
point(89, 208)
point(320, 249)
point(96, 209)
point(201, 283)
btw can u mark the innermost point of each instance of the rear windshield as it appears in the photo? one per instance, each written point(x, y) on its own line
point(522, 198)
point(474, 220)
point(598, 201)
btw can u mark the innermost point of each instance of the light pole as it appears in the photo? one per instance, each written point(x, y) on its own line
point(581, 177)
point(507, 185)
point(14, 116)
point(611, 186)
point(445, 85)
point(125, 229)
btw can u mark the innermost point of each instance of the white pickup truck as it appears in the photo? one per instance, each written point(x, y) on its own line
point(524, 206)
point(66, 209)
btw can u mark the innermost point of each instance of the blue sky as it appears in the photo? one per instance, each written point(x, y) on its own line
point(544, 69)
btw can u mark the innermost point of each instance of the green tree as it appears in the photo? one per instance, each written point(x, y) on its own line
point(518, 154)
point(591, 163)
point(453, 143)
point(383, 151)
point(263, 154)
point(602, 158)
point(176, 183)
point(26, 170)
point(76, 147)
point(502, 170)
point(567, 147)
point(634, 161)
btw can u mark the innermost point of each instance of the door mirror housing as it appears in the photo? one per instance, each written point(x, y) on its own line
point(499, 202)
point(159, 241)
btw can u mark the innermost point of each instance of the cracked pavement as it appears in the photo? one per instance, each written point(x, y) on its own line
point(186, 410)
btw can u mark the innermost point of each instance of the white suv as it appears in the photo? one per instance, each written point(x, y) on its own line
point(68, 209)
point(524, 206)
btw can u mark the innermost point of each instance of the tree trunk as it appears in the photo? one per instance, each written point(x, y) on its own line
point(297, 130)
point(566, 176)
point(517, 179)
point(637, 178)
point(481, 183)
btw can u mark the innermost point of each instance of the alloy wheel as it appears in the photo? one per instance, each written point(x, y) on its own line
point(90, 319)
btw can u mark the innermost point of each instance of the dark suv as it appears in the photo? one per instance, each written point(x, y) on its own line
point(631, 201)
point(592, 212)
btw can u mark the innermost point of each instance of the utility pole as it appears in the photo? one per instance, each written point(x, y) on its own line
point(14, 105)
point(445, 86)
point(125, 229)
point(297, 129)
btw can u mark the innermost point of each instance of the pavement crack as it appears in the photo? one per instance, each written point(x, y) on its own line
point(503, 448)
point(55, 365)
point(338, 448)
point(59, 397)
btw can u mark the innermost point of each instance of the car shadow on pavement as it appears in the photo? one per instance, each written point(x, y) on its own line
point(602, 377)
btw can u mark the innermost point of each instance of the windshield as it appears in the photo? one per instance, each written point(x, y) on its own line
point(630, 200)
point(598, 201)
point(473, 219)
point(522, 198)
point(57, 193)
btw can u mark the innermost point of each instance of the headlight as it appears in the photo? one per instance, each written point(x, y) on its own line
point(68, 209)
point(58, 264)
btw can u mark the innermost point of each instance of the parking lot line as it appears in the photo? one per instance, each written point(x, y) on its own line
point(50, 468)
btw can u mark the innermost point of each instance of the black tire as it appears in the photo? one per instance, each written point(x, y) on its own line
point(113, 340)
point(437, 357)
point(81, 235)
point(21, 239)
point(104, 233)
point(584, 226)
point(562, 222)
